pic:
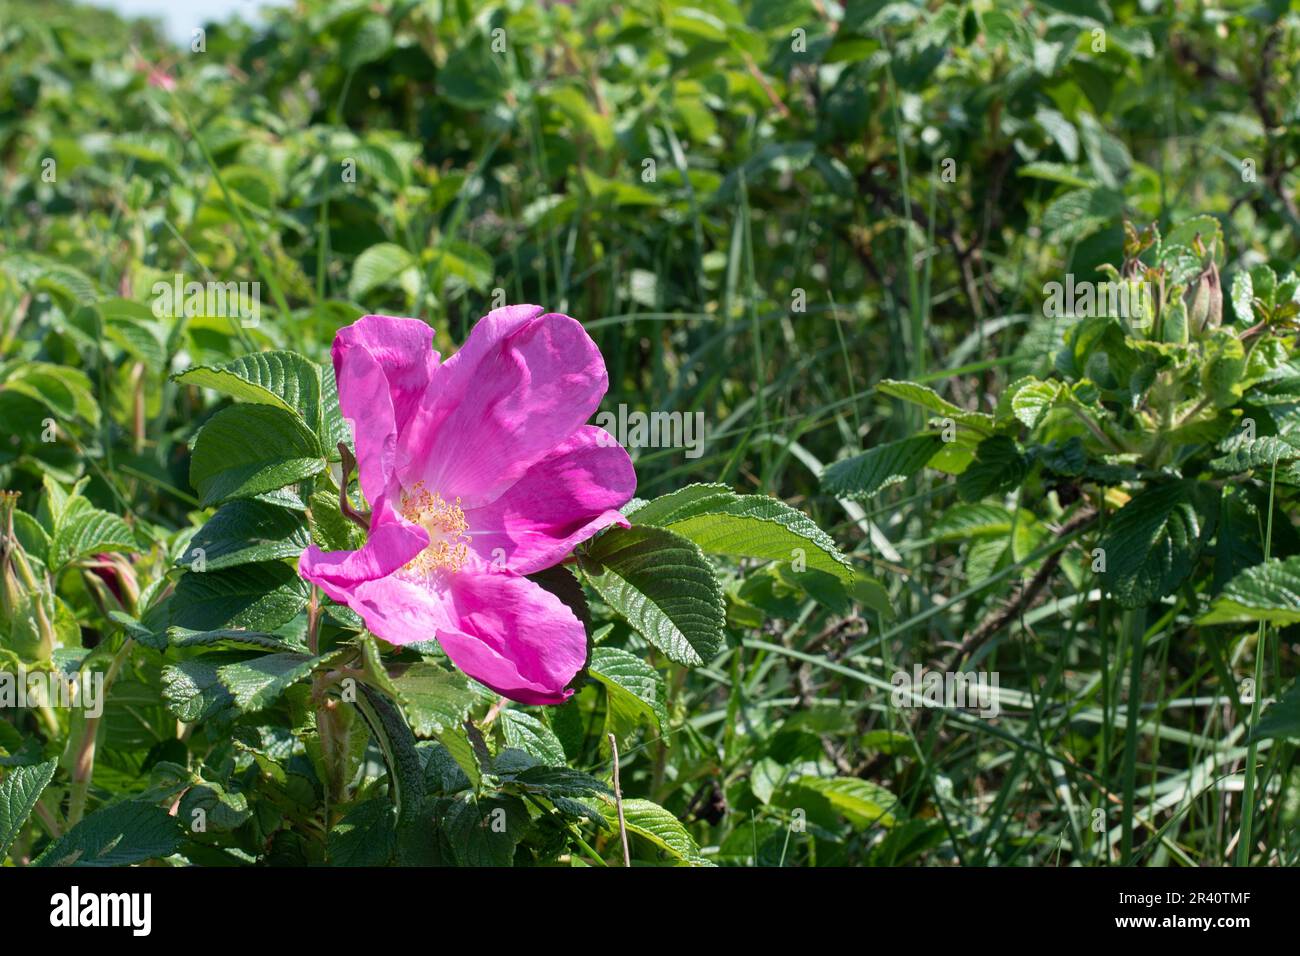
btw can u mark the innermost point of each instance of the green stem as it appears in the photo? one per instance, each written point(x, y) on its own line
point(83, 764)
point(1135, 628)
point(1252, 744)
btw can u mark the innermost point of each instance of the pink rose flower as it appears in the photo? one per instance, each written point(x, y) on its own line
point(479, 470)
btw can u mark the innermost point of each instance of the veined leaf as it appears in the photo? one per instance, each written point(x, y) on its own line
point(654, 823)
point(1266, 592)
point(635, 689)
point(1151, 543)
point(929, 399)
point(21, 788)
point(246, 450)
point(1243, 454)
point(118, 835)
point(527, 733)
point(661, 583)
point(90, 531)
point(258, 597)
point(244, 532)
point(284, 380)
point(864, 475)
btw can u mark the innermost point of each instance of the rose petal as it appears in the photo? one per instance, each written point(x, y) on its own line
point(392, 542)
point(383, 366)
point(561, 501)
point(514, 636)
point(500, 629)
point(520, 386)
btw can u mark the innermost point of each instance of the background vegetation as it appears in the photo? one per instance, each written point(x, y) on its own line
point(760, 211)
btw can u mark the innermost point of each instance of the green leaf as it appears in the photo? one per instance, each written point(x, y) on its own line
point(366, 836)
point(379, 265)
point(1266, 592)
point(662, 584)
point(19, 791)
point(1031, 399)
point(966, 521)
point(258, 597)
point(405, 773)
point(558, 782)
point(192, 689)
point(998, 467)
point(245, 532)
point(63, 390)
point(257, 682)
point(483, 831)
point(652, 822)
point(929, 399)
point(756, 526)
point(90, 531)
point(683, 503)
point(864, 475)
point(1244, 453)
point(1281, 718)
point(181, 637)
point(119, 835)
point(1243, 298)
point(636, 690)
point(525, 732)
point(434, 700)
point(859, 801)
point(223, 810)
point(1151, 543)
point(366, 40)
point(246, 450)
point(284, 380)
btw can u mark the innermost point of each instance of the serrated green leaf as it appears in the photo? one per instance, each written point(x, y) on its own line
point(998, 467)
point(929, 399)
point(859, 801)
point(1243, 454)
point(662, 584)
point(1266, 592)
point(90, 531)
point(1151, 543)
point(366, 836)
point(862, 476)
point(661, 828)
point(1031, 400)
point(434, 700)
point(756, 526)
point(379, 265)
point(483, 831)
point(19, 791)
point(258, 597)
point(636, 690)
point(119, 835)
point(246, 450)
point(527, 733)
point(558, 782)
point(246, 532)
point(284, 380)
point(258, 681)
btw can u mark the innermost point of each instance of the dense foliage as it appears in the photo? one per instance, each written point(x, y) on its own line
point(850, 237)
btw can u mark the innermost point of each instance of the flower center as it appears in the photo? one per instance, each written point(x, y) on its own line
point(448, 543)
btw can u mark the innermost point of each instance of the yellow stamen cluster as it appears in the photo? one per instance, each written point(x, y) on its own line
point(448, 544)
